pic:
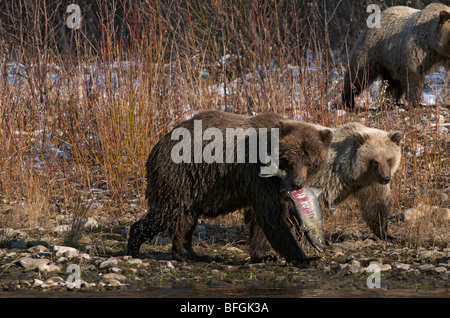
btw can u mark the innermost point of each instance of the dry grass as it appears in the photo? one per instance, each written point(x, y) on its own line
point(84, 119)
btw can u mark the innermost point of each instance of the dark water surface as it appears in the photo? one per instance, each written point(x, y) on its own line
point(239, 292)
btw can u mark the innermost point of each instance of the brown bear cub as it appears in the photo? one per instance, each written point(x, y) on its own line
point(408, 44)
point(182, 190)
point(361, 163)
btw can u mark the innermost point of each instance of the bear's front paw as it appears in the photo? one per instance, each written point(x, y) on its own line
point(313, 262)
point(265, 259)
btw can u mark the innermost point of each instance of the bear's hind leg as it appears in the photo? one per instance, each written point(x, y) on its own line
point(413, 87)
point(257, 239)
point(394, 90)
point(348, 93)
point(181, 233)
point(354, 83)
point(143, 230)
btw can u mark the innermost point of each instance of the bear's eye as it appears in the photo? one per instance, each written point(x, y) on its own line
point(374, 163)
point(390, 161)
point(311, 165)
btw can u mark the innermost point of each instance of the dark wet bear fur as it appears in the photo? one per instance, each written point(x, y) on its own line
point(179, 193)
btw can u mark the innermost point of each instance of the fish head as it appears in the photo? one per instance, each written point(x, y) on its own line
point(315, 238)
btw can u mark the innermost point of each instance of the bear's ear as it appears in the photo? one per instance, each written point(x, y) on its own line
point(396, 137)
point(326, 136)
point(359, 139)
point(444, 16)
point(284, 126)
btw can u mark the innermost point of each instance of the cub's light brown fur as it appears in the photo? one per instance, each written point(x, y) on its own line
point(361, 162)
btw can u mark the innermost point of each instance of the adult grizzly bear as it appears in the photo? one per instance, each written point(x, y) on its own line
point(179, 193)
point(408, 44)
point(360, 164)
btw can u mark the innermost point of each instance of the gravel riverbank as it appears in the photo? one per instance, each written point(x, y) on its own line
point(352, 263)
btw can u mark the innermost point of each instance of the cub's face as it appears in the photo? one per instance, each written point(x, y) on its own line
point(380, 154)
point(303, 152)
point(381, 169)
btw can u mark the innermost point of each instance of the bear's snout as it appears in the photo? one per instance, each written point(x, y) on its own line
point(292, 183)
point(381, 170)
point(297, 185)
point(385, 180)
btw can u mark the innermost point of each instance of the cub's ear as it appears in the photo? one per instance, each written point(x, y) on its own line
point(326, 136)
point(396, 137)
point(285, 127)
point(444, 16)
point(359, 138)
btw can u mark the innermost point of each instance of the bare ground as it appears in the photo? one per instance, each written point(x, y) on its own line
point(341, 271)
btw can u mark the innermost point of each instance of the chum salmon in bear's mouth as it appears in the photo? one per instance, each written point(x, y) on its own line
point(308, 212)
point(306, 206)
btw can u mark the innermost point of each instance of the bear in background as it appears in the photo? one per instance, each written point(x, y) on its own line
point(409, 44)
point(179, 193)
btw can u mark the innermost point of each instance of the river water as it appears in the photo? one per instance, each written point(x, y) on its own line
point(240, 292)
